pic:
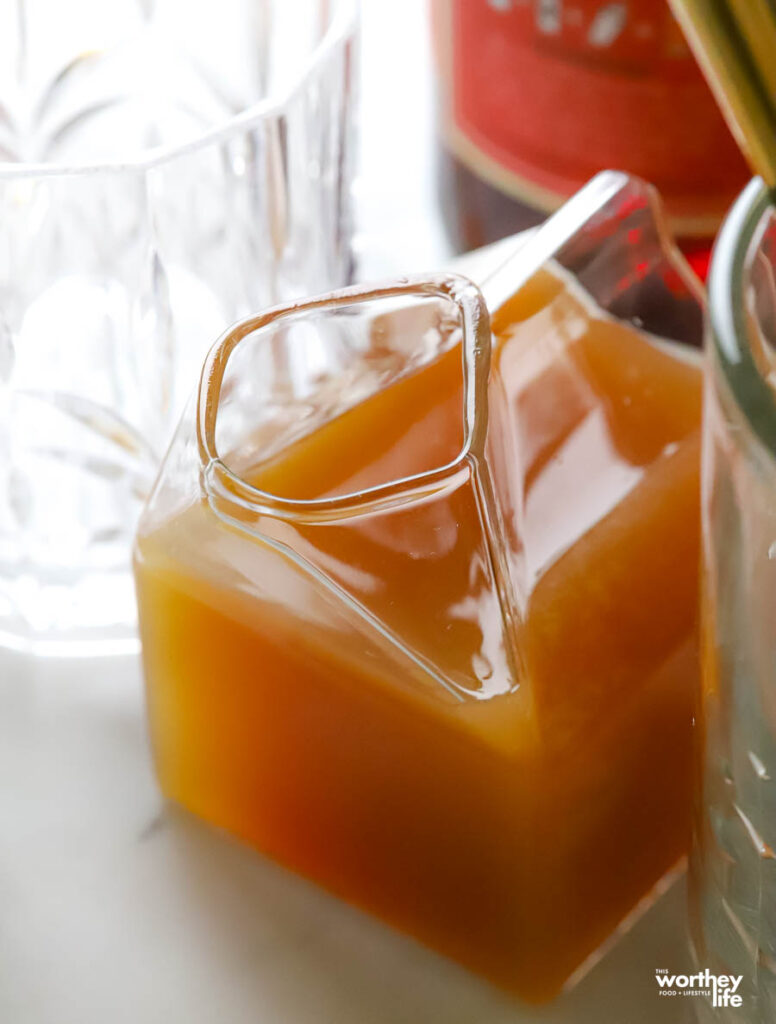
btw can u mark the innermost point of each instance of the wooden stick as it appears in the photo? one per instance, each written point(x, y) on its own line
point(718, 34)
point(756, 22)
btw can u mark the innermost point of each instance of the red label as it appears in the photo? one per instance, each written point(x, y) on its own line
point(542, 94)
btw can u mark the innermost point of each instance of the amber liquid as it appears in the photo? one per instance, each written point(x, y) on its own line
point(511, 832)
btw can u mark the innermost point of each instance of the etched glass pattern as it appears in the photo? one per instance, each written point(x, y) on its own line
point(167, 168)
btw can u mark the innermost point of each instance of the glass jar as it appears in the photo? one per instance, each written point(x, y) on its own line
point(733, 866)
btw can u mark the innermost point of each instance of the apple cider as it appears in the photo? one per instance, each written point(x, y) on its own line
point(505, 790)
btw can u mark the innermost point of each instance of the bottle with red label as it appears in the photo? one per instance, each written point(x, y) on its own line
point(536, 96)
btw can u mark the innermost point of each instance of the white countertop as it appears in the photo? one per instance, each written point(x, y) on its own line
point(115, 907)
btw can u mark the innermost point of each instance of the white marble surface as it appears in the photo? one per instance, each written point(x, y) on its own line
point(117, 908)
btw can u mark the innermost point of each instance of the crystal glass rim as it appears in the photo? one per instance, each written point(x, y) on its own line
point(340, 29)
point(475, 355)
point(729, 328)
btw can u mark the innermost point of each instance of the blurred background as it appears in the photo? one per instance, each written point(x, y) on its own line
point(399, 222)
